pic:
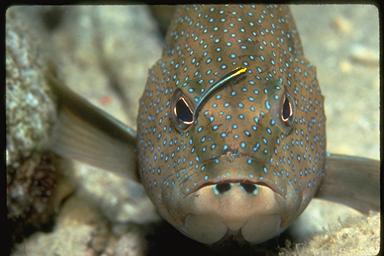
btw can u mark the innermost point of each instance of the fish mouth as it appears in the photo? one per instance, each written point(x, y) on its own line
point(230, 159)
point(213, 214)
point(244, 182)
point(230, 196)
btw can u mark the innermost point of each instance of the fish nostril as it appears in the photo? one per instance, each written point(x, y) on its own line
point(249, 188)
point(222, 187)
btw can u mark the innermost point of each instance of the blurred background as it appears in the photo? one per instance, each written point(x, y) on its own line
point(104, 53)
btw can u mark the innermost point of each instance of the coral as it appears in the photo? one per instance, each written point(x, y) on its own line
point(355, 236)
point(32, 176)
point(30, 109)
point(30, 112)
point(29, 193)
point(99, 66)
point(79, 230)
point(104, 53)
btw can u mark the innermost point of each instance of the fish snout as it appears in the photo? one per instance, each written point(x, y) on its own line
point(241, 208)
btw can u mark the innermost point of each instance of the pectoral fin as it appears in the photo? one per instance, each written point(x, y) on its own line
point(86, 133)
point(353, 181)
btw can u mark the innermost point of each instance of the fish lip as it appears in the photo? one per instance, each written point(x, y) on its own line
point(259, 182)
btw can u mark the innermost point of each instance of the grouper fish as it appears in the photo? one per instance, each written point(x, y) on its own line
point(231, 138)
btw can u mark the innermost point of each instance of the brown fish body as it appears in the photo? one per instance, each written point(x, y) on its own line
point(254, 157)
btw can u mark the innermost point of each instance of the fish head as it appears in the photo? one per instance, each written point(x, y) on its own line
point(225, 154)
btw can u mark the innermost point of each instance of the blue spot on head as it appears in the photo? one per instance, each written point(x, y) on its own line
point(267, 104)
point(256, 147)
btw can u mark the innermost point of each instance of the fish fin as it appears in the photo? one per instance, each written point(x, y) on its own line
point(86, 133)
point(353, 181)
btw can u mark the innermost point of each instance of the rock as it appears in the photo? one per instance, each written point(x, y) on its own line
point(364, 56)
point(121, 200)
point(31, 200)
point(341, 25)
point(126, 240)
point(345, 66)
point(108, 66)
point(109, 62)
point(78, 57)
point(319, 217)
point(33, 193)
point(355, 236)
point(30, 108)
point(79, 230)
point(130, 244)
point(129, 44)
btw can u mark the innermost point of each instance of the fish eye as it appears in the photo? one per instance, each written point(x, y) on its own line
point(183, 111)
point(182, 114)
point(287, 111)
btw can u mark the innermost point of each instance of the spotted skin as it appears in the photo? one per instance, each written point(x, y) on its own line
point(239, 133)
